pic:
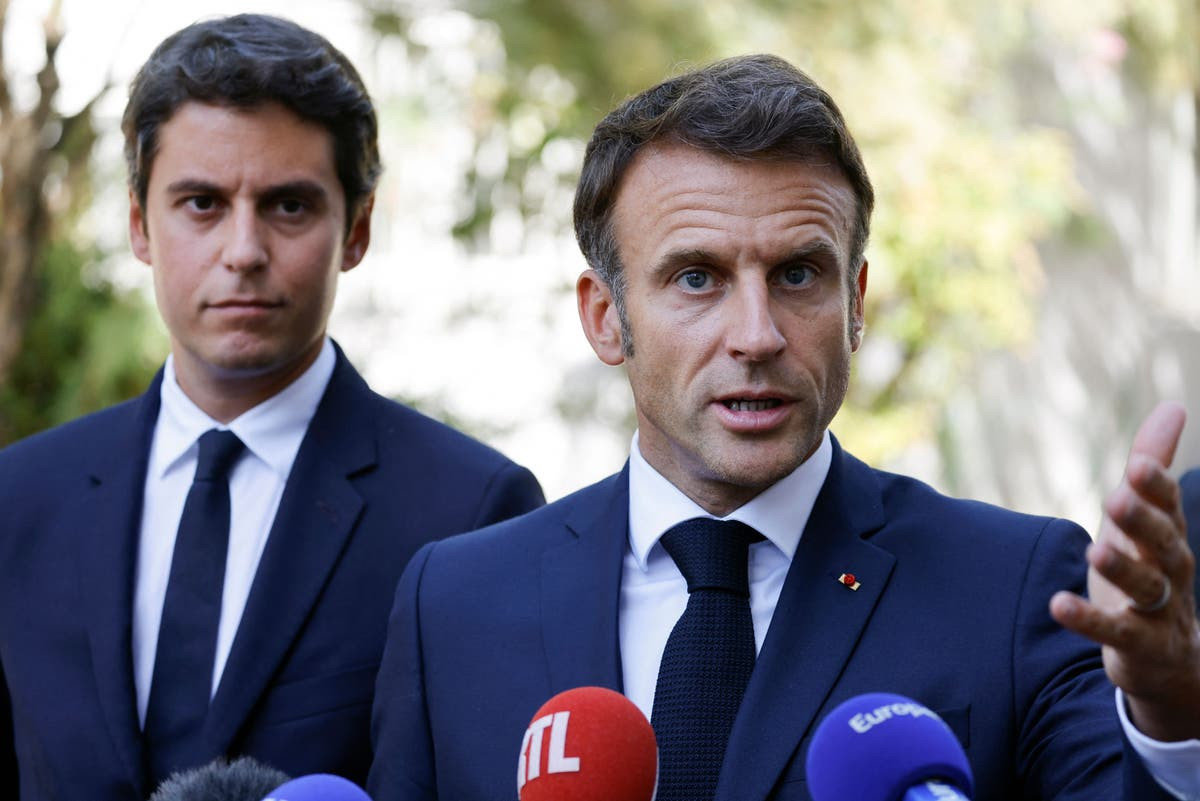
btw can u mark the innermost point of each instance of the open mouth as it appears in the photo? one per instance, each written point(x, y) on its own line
point(751, 405)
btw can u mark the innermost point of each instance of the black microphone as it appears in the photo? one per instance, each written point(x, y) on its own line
point(243, 779)
point(885, 747)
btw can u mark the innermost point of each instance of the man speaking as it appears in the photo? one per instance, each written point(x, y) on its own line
point(743, 575)
point(207, 570)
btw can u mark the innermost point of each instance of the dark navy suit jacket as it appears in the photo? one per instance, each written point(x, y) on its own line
point(1190, 484)
point(371, 483)
point(952, 611)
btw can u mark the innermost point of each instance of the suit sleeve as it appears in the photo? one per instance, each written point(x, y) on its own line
point(403, 767)
point(512, 491)
point(1070, 745)
point(1190, 486)
point(9, 785)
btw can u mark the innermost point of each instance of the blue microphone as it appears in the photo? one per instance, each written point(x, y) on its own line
point(318, 787)
point(885, 747)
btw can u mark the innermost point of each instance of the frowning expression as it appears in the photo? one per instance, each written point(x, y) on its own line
point(744, 310)
point(244, 225)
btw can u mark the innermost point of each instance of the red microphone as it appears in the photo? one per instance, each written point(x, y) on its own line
point(588, 744)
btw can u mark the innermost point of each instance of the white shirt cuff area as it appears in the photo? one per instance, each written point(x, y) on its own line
point(1175, 766)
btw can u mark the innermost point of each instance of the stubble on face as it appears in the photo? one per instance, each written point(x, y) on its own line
point(735, 280)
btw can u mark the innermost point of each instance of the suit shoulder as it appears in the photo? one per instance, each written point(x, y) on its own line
point(71, 441)
point(535, 528)
point(911, 503)
point(404, 427)
point(447, 468)
point(1190, 482)
point(1189, 486)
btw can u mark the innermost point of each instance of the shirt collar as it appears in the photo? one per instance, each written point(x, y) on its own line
point(779, 512)
point(272, 430)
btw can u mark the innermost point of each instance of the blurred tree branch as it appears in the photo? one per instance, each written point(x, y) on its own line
point(24, 166)
point(69, 341)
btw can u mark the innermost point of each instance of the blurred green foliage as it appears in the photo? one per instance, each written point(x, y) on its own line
point(966, 187)
point(72, 342)
point(87, 345)
point(967, 183)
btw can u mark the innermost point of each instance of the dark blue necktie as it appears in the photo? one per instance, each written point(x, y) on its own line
point(187, 637)
point(708, 659)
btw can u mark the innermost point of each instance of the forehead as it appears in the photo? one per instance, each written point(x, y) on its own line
point(677, 197)
point(263, 143)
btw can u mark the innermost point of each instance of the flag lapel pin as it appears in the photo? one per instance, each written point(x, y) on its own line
point(849, 580)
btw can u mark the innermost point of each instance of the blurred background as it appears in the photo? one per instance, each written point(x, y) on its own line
point(1035, 254)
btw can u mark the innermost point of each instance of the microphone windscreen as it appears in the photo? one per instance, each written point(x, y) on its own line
point(588, 744)
point(243, 779)
point(875, 747)
point(318, 787)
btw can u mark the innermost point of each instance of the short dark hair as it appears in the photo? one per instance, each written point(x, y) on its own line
point(244, 61)
point(755, 107)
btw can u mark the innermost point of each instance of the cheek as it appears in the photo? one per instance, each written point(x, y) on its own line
point(171, 298)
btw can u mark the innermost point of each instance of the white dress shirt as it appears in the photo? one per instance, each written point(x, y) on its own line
point(654, 592)
point(272, 432)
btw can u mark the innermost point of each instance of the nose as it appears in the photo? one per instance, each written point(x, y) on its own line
point(752, 333)
point(245, 243)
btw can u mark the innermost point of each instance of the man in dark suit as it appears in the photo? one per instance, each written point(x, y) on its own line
point(207, 570)
point(724, 216)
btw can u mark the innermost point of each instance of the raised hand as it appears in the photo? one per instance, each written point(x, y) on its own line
point(1140, 606)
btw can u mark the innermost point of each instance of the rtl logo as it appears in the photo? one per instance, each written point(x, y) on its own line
point(529, 765)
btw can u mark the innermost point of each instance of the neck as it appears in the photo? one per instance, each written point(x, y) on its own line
point(225, 395)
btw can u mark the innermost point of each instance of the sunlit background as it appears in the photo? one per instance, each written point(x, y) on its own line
point(1034, 281)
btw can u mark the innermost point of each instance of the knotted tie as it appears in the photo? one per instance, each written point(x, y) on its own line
point(708, 659)
point(181, 687)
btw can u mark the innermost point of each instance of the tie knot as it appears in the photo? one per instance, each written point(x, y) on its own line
point(218, 451)
point(712, 554)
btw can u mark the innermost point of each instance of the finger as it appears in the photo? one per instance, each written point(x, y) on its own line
point(1139, 582)
point(1158, 435)
point(1074, 613)
point(1149, 479)
point(1157, 534)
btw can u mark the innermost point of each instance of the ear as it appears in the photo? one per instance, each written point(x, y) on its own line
point(360, 235)
point(598, 314)
point(857, 322)
point(139, 237)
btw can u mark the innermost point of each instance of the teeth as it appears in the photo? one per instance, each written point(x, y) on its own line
point(752, 405)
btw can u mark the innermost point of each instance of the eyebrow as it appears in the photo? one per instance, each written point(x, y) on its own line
point(192, 185)
point(819, 248)
point(310, 190)
point(301, 188)
point(676, 259)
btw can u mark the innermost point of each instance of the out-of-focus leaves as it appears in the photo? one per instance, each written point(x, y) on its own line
point(87, 346)
point(70, 343)
point(965, 186)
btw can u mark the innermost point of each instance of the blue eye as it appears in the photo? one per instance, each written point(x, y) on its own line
point(695, 279)
point(796, 275)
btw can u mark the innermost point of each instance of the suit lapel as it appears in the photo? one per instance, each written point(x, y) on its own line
point(814, 630)
point(316, 515)
point(581, 582)
point(109, 516)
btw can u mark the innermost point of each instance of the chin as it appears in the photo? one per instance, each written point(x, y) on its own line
point(252, 360)
point(755, 474)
